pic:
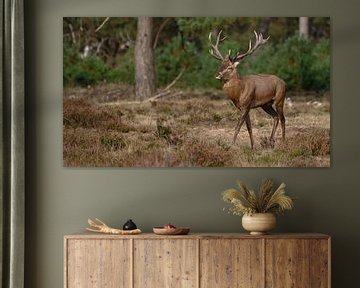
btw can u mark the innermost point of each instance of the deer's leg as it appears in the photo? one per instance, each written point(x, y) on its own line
point(240, 123)
point(280, 111)
point(249, 128)
point(279, 105)
point(270, 110)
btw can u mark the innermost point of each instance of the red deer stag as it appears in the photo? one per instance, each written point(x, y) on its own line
point(251, 91)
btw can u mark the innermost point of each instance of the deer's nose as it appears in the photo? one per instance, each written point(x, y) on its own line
point(218, 76)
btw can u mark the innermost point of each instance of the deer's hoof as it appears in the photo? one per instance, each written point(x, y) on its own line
point(272, 143)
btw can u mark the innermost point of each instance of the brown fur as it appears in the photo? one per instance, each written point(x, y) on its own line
point(252, 91)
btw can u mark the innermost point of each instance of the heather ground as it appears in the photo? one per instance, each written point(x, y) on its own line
point(105, 126)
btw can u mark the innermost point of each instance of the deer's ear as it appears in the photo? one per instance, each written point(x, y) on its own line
point(236, 63)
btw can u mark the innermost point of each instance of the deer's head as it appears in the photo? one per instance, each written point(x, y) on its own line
point(227, 68)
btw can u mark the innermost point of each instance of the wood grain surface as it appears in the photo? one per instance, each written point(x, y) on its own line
point(287, 263)
point(165, 263)
point(98, 263)
point(197, 260)
point(320, 263)
point(228, 263)
point(88, 235)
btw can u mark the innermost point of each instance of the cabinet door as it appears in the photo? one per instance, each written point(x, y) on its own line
point(165, 263)
point(98, 263)
point(287, 263)
point(320, 263)
point(231, 263)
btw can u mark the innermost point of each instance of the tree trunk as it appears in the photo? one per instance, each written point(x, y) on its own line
point(304, 27)
point(144, 59)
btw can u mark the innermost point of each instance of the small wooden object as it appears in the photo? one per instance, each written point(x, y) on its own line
point(101, 227)
point(171, 231)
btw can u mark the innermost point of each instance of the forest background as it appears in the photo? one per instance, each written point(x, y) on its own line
point(107, 55)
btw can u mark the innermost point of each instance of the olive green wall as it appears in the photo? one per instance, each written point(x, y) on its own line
point(59, 200)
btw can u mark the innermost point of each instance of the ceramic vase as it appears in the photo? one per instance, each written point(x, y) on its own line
point(259, 223)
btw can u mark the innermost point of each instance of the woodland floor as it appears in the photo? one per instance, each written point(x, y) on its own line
point(104, 126)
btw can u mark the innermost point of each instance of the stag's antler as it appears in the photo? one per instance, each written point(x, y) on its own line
point(101, 227)
point(214, 51)
point(259, 40)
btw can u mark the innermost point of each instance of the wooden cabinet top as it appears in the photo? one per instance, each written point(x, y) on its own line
point(200, 236)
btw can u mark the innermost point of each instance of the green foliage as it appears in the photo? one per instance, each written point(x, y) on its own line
point(320, 68)
point(82, 72)
point(303, 64)
point(173, 57)
point(92, 70)
point(193, 26)
point(170, 59)
point(125, 70)
point(201, 73)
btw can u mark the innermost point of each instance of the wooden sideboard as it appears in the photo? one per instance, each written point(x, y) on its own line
point(197, 260)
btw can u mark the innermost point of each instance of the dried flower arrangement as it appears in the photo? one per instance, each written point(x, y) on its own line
point(247, 202)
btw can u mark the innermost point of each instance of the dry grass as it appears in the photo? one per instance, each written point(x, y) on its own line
point(192, 130)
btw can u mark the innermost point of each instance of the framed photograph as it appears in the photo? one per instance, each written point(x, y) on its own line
point(196, 91)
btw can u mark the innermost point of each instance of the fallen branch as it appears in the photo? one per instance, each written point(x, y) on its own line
point(101, 227)
point(72, 33)
point(168, 95)
point(166, 90)
point(102, 24)
point(158, 95)
point(175, 80)
point(159, 31)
